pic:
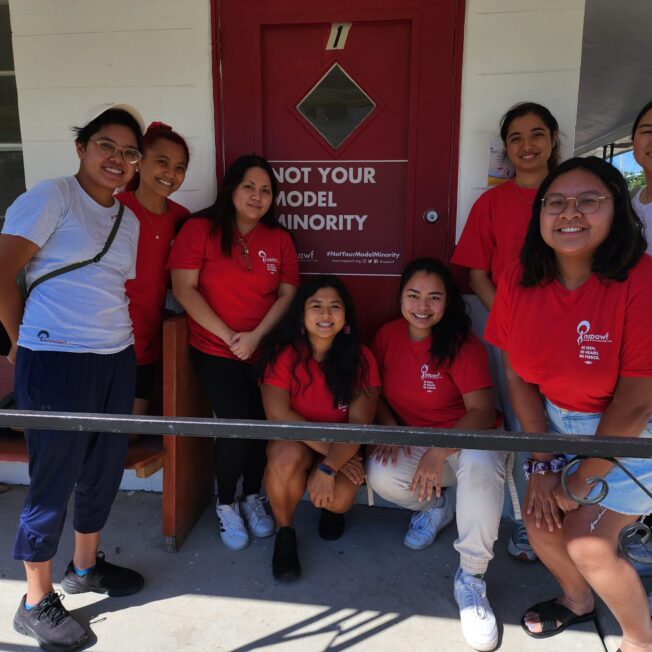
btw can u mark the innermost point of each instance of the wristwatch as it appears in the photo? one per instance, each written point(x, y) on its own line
point(328, 470)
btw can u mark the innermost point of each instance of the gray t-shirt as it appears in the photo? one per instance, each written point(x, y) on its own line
point(85, 310)
point(644, 211)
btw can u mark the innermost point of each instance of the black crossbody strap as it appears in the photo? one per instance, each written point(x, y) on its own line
point(83, 263)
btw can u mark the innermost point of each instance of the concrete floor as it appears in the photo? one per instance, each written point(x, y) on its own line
point(365, 592)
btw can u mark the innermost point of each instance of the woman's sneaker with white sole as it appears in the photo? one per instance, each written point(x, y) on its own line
point(476, 615)
point(233, 532)
point(259, 522)
point(426, 525)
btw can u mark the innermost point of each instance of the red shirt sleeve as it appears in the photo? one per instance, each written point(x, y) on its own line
point(289, 262)
point(279, 373)
point(470, 368)
point(496, 331)
point(477, 242)
point(188, 250)
point(373, 377)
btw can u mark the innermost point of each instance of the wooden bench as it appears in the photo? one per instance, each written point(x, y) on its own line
point(187, 462)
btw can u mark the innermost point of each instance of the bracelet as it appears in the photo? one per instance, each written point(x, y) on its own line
point(532, 466)
point(328, 470)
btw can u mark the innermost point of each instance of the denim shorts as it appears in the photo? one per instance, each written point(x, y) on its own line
point(624, 495)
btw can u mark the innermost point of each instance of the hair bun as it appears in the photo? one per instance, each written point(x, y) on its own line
point(159, 125)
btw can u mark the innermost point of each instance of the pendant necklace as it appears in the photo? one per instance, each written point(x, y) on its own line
point(243, 242)
point(157, 232)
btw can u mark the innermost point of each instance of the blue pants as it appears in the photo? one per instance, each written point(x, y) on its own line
point(91, 463)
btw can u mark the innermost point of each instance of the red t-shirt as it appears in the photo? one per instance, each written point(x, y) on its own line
point(421, 393)
point(576, 344)
point(495, 230)
point(239, 297)
point(148, 290)
point(312, 399)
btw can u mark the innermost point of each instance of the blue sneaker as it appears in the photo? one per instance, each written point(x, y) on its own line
point(518, 545)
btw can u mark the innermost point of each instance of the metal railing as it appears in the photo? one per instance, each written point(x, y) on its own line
point(582, 446)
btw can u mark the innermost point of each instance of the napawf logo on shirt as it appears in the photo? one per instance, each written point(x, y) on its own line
point(272, 264)
point(428, 379)
point(588, 341)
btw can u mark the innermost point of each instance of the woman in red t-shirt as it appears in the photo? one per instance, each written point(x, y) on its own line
point(315, 369)
point(573, 321)
point(495, 229)
point(160, 172)
point(235, 271)
point(493, 236)
point(435, 374)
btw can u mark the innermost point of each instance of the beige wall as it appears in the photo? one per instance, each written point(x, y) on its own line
point(514, 50)
point(73, 54)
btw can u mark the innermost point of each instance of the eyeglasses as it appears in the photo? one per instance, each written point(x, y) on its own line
point(586, 203)
point(108, 148)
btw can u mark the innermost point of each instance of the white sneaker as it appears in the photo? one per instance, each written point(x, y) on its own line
point(424, 526)
point(253, 511)
point(476, 615)
point(232, 530)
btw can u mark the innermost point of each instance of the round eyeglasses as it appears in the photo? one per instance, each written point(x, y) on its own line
point(586, 203)
point(108, 148)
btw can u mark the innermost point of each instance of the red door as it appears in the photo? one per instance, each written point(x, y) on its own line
point(356, 106)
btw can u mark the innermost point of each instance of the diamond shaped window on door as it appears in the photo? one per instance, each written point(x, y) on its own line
point(336, 106)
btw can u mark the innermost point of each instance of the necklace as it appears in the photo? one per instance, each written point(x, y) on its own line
point(244, 243)
point(157, 232)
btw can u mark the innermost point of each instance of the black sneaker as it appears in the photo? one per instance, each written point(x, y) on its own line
point(285, 561)
point(50, 624)
point(331, 525)
point(103, 578)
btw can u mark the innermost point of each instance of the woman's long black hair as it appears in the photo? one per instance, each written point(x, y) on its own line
point(620, 251)
point(222, 211)
point(345, 367)
point(454, 327)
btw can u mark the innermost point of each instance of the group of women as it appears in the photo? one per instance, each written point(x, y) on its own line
point(557, 254)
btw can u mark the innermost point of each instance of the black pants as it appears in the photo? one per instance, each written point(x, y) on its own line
point(234, 394)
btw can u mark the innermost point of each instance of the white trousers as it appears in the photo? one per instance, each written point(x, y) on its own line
point(480, 479)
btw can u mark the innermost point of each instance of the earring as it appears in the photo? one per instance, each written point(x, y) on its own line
point(347, 329)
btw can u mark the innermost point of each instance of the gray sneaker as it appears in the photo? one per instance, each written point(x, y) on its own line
point(518, 545)
point(50, 624)
point(426, 525)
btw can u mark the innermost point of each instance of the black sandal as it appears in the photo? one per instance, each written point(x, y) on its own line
point(550, 613)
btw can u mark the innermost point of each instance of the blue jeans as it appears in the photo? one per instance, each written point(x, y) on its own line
point(624, 496)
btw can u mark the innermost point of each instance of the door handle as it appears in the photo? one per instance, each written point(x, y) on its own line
point(431, 216)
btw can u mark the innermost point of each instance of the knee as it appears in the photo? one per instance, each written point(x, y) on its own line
point(481, 470)
point(540, 537)
point(382, 479)
point(286, 459)
point(587, 551)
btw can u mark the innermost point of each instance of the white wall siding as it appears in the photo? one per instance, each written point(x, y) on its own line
point(73, 54)
point(514, 50)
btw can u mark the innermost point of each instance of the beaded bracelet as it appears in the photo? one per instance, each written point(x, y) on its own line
point(328, 470)
point(532, 466)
